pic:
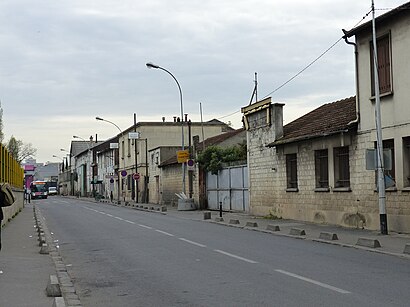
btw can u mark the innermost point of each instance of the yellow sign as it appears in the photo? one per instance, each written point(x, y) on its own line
point(182, 156)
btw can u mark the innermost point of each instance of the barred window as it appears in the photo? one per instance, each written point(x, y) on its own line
point(291, 171)
point(341, 167)
point(321, 168)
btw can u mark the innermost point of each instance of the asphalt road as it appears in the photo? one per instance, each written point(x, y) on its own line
point(124, 257)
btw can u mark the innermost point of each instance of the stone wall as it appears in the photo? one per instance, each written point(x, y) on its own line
point(355, 208)
point(10, 212)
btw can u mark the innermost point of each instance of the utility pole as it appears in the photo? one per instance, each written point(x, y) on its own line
point(136, 159)
point(380, 165)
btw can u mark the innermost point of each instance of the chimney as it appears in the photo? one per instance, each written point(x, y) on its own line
point(277, 116)
point(186, 117)
point(178, 120)
point(175, 119)
point(163, 119)
point(96, 137)
point(91, 138)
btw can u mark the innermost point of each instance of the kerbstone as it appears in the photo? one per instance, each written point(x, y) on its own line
point(328, 236)
point(368, 242)
point(407, 249)
point(297, 232)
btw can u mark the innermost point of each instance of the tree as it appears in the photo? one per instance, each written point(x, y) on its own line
point(19, 150)
point(213, 157)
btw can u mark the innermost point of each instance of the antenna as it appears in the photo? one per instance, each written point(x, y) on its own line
point(255, 89)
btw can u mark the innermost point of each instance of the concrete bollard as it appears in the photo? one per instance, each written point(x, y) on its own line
point(53, 287)
point(251, 224)
point(407, 249)
point(44, 250)
point(273, 227)
point(368, 242)
point(297, 232)
point(59, 302)
point(207, 215)
point(219, 219)
point(163, 208)
point(233, 221)
point(328, 236)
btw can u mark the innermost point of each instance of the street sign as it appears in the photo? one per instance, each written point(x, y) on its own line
point(136, 176)
point(123, 173)
point(113, 145)
point(190, 165)
point(182, 156)
point(133, 135)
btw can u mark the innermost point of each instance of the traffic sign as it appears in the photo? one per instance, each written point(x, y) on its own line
point(182, 156)
point(136, 176)
point(190, 165)
point(123, 173)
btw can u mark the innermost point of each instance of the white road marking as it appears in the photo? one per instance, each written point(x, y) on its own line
point(110, 215)
point(164, 232)
point(313, 282)
point(234, 256)
point(131, 222)
point(144, 226)
point(118, 218)
point(192, 242)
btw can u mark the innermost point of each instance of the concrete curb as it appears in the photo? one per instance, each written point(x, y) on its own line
point(68, 295)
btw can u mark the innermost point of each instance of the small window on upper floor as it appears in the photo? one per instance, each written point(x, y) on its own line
point(384, 65)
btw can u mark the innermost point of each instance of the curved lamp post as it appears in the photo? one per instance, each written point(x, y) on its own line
point(151, 65)
point(118, 175)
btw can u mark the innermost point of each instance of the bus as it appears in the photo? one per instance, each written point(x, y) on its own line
point(39, 189)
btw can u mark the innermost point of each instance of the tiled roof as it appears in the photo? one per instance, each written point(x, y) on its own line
point(215, 140)
point(328, 119)
point(208, 142)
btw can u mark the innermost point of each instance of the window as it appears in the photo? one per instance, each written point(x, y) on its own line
point(341, 167)
point(391, 173)
point(122, 150)
point(291, 171)
point(384, 66)
point(321, 169)
point(406, 161)
point(129, 148)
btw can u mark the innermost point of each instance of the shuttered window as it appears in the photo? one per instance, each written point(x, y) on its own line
point(384, 65)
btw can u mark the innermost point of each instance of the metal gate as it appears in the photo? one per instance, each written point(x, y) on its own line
point(229, 187)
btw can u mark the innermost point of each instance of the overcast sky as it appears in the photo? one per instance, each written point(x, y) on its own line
point(64, 62)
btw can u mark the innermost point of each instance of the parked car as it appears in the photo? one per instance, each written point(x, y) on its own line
point(52, 191)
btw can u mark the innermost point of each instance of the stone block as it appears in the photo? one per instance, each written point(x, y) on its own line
point(297, 232)
point(163, 208)
point(251, 224)
point(59, 302)
point(44, 250)
point(207, 215)
point(368, 242)
point(328, 236)
point(53, 287)
point(407, 249)
point(219, 219)
point(273, 227)
point(233, 221)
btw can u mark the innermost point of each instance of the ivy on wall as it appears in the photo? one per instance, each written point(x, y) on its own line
point(213, 157)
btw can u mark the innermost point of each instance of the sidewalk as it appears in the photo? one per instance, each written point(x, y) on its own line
point(24, 273)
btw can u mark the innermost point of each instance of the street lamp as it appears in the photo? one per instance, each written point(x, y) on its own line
point(151, 65)
point(118, 174)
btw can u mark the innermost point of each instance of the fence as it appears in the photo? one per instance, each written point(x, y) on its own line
point(11, 172)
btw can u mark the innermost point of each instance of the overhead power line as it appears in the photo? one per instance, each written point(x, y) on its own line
point(307, 66)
